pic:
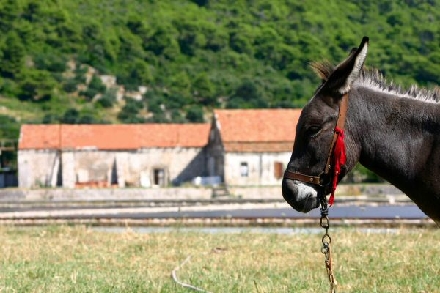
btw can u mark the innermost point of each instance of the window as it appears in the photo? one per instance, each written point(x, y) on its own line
point(278, 170)
point(159, 177)
point(244, 169)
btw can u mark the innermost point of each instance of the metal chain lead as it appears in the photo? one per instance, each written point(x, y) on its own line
point(324, 222)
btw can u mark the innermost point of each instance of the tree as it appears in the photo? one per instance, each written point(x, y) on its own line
point(108, 99)
point(36, 85)
point(10, 10)
point(136, 74)
point(203, 89)
point(93, 52)
point(181, 84)
point(70, 85)
point(9, 127)
point(96, 84)
point(195, 114)
point(130, 112)
point(50, 118)
point(190, 39)
point(247, 95)
point(71, 116)
point(80, 73)
point(159, 118)
point(163, 42)
point(203, 53)
point(94, 88)
point(50, 63)
point(177, 117)
point(201, 3)
point(86, 119)
point(13, 53)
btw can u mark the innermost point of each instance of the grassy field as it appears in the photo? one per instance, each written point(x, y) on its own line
point(78, 259)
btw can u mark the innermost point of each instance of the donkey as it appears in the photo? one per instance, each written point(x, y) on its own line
point(393, 132)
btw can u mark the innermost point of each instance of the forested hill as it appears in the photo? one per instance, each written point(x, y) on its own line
point(195, 55)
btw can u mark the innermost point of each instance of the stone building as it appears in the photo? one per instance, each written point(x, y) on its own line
point(238, 148)
point(111, 155)
point(251, 147)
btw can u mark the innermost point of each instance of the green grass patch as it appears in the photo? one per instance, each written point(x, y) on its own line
point(78, 259)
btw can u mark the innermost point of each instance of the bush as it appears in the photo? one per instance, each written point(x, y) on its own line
point(89, 94)
point(108, 99)
point(195, 114)
point(50, 119)
point(70, 86)
point(86, 119)
point(71, 116)
point(129, 113)
point(53, 63)
point(80, 74)
point(96, 85)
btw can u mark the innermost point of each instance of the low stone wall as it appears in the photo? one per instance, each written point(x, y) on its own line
point(269, 192)
point(105, 194)
point(263, 192)
point(342, 190)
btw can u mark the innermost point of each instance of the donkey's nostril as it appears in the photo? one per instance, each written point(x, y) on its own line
point(299, 196)
point(290, 190)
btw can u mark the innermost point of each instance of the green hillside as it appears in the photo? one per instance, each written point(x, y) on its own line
point(194, 55)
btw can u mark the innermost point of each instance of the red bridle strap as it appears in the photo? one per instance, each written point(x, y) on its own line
point(339, 158)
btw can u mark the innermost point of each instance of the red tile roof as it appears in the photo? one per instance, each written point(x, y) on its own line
point(258, 130)
point(113, 137)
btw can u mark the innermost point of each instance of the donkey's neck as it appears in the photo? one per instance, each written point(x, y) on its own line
point(398, 138)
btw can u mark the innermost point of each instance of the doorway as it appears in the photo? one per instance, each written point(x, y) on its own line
point(159, 176)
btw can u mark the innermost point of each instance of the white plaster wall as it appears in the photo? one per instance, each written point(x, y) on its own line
point(69, 172)
point(97, 163)
point(180, 165)
point(261, 168)
point(35, 167)
point(121, 163)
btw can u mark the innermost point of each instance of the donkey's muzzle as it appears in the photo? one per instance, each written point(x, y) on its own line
point(299, 196)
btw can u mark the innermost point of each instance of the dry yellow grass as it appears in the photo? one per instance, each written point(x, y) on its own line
point(78, 259)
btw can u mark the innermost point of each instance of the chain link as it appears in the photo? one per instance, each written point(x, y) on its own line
point(326, 240)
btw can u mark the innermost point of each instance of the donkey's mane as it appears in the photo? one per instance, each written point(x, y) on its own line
point(373, 79)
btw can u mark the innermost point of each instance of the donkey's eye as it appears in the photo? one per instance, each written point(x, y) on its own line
point(313, 130)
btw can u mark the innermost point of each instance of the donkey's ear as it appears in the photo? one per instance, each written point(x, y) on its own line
point(349, 70)
point(353, 50)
